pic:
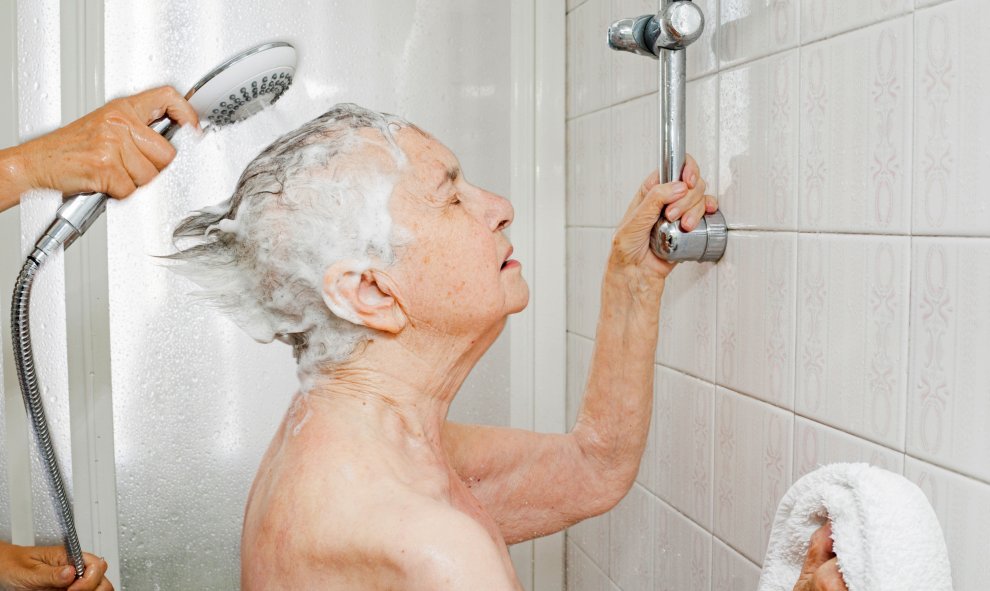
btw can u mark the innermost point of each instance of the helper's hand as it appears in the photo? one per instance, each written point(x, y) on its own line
point(685, 201)
point(24, 568)
point(821, 568)
point(111, 150)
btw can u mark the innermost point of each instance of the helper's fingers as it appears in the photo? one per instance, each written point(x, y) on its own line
point(165, 100)
point(137, 166)
point(93, 576)
point(155, 148)
point(105, 585)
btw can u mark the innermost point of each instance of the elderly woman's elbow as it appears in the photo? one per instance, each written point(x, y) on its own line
point(609, 471)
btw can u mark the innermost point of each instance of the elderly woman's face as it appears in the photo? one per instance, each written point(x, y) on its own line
point(456, 273)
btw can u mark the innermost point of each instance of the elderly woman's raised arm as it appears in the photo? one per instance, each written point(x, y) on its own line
point(536, 484)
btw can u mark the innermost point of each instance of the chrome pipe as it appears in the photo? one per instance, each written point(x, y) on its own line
point(665, 37)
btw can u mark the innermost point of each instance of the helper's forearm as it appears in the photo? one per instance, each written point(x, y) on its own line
point(13, 178)
point(614, 420)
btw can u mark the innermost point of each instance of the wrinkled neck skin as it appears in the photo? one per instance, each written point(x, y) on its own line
point(395, 391)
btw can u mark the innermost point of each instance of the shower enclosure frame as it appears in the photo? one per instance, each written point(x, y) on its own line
point(537, 335)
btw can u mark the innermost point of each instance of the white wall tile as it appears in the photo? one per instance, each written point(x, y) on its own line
point(755, 342)
point(587, 252)
point(687, 320)
point(952, 86)
point(582, 574)
point(750, 29)
point(948, 406)
point(592, 535)
point(589, 60)
point(683, 552)
point(731, 571)
point(824, 18)
point(633, 154)
point(579, 350)
point(856, 123)
point(631, 539)
point(589, 177)
point(752, 470)
point(852, 328)
point(816, 445)
point(685, 409)
point(631, 75)
point(960, 504)
point(758, 140)
point(572, 4)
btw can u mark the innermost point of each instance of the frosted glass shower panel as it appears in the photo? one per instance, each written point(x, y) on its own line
point(195, 400)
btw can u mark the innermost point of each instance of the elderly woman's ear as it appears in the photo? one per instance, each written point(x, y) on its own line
point(363, 295)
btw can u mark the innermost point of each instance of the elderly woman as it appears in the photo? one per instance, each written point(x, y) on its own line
point(358, 240)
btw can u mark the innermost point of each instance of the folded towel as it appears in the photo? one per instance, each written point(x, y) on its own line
point(885, 534)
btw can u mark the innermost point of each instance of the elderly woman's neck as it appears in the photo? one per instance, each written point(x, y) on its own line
point(412, 389)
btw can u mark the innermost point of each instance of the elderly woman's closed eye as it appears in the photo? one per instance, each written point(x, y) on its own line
point(358, 240)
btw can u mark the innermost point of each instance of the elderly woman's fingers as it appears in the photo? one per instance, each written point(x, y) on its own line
point(645, 187)
point(692, 172)
point(711, 204)
point(690, 207)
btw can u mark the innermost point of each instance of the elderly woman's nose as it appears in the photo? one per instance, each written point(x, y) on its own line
point(501, 211)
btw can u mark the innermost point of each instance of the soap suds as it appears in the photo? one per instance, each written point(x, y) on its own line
point(313, 197)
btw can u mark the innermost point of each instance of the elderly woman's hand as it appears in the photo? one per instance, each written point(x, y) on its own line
point(684, 200)
point(26, 568)
point(821, 568)
point(111, 150)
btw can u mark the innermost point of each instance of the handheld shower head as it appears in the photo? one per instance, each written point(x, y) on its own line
point(233, 91)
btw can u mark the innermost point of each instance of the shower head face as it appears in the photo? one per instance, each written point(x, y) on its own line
point(244, 84)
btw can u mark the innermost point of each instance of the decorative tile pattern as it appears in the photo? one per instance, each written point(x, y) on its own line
point(684, 434)
point(852, 323)
point(687, 321)
point(948, 406)
point(816, 445)
point(589, 177)
point(952, 83)
point(756, 298)
point(633, 155)
point(758, 140)
point(587, 252)
point(731, 571)
point(753, 28)
point(856, 137)
point(632, 541)
point(582, 574)
point(589, 60)
point(821, 18)
point(592, 535)
point(960, 504)
point(683, 552)
point(752, 470)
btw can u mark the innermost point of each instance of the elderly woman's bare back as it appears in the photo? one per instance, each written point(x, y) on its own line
point(334, 509)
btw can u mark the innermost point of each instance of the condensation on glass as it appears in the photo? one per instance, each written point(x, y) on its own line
point(40, 111)
point(195, 400)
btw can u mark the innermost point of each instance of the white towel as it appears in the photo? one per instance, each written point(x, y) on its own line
point(885, 534)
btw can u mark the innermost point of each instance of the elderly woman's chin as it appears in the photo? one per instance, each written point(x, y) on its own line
point(517, 290)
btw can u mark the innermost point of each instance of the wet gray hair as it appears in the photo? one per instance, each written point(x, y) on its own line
point(298, 207)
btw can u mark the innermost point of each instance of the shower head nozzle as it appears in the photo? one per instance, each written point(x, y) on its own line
point(244, 84)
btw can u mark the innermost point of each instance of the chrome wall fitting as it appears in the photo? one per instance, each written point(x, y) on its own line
point(665, 37)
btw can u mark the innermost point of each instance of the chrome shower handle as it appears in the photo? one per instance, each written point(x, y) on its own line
point(665, 36)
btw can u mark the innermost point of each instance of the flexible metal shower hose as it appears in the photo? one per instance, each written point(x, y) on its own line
point(24, 357)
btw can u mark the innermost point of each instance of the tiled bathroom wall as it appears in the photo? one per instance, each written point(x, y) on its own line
point(849, 145)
